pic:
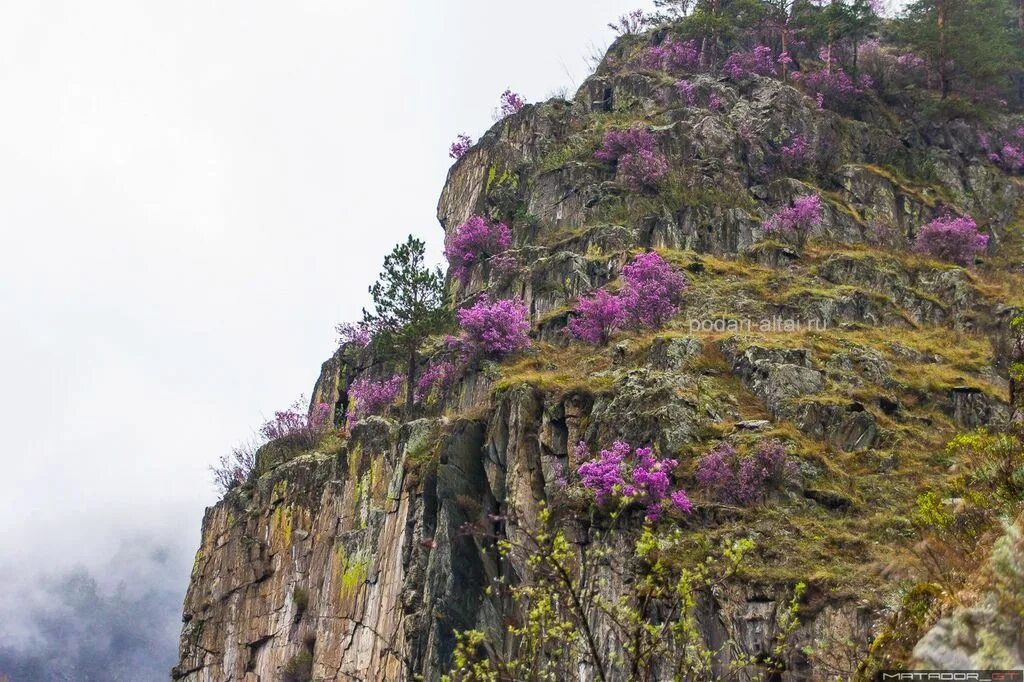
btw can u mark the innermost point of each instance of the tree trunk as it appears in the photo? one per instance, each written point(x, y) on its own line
point(410, 383)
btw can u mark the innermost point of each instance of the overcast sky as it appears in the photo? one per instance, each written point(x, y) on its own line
point(192, 195)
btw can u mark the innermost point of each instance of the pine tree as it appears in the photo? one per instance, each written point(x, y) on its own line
point(970, 43)
point(409, 305)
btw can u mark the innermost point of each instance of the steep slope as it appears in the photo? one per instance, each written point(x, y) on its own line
point(353, 558)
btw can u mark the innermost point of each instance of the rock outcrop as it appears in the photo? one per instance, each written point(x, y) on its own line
point(353, 559)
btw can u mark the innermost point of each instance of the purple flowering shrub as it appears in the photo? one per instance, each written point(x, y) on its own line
point(670, 55)
point(729, 478)
point(511, 103)
point(369, 397)
point(796, 153)
point(951, 238)
point(796, 222)
point(461, 145)
point(620, 474)
point(651, 291)
point(1010, 157)
point(296, 426)
point(834, 86)
point(438, 378)
point(596, 317)
point(715, 102)
point(355, 333)
point(235, 468)
point(760, 61)
point(474, 241)
point(494, 328)
point(637, 163)
point(687, 92)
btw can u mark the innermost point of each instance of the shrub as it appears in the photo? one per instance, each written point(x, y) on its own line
point(951, 238)
point(1010, 157)
point(511, 103)
point(637, 162)
point(235, 468)
point(687, 92)
point(357, 334)
point(732, 479)
point(372, 397)
point(834, 86)
point(437, 378)
point(798, 221)
point(759, 61)
point(474, 241)
point(630, 24)
point(494, 328)
point(624, 475)
point(596, 317)
point(462, 144)
point(796, 153)
point(671, 55)
point(298, 427)
point(299, 667)
point(651, 291)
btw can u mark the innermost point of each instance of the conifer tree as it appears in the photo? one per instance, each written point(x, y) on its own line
point(969, 43)
point(409, 305)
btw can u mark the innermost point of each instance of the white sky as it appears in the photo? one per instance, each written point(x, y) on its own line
point(192, 195)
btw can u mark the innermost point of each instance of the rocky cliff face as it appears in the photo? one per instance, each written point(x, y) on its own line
point(352, 558)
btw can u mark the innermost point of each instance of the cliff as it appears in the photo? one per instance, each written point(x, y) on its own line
point(353, 559)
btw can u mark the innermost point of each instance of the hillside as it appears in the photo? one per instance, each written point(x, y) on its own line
point(361, 555)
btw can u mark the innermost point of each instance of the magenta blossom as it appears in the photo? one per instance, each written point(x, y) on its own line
point(474, 241)
point(358, 334)
point(596, 317)
point(511, 103)
point(370, 397)
point(494, 329)
point(462, 144)
point(436, 379)
point(621, 474)
point(951, 238)
point(651, 291)
point(796, 152)
point(296, 425)
point(732, 479)
point(687, 92)
point(637, 161)
point(797, 221)
point(671, 55)
point(759, 61)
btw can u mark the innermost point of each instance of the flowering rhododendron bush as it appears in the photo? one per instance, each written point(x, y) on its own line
point(651, 291)
point(795, 153)
point(650, 296)
point(638, 164)
point(297, 425)
point(728, 477)
point(760, 61)
point(622, 475)
point(951, 238)
point(460, 146)
point(368, 396)
point(474, 241)
point(494, 328)
point(355, 333)
point(436, 379)
point(671, 55)
point(798, 221)
point(834, 87)
point(511, 103)
point(596, 317)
